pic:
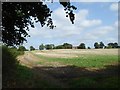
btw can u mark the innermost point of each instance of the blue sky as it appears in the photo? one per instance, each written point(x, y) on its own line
point(95, 22)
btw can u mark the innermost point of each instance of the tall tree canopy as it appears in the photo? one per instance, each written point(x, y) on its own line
point(16, 18)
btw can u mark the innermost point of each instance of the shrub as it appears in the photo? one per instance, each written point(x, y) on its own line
point(21, 48)
point(9, 65)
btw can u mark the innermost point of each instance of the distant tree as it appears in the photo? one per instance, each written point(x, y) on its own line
point(52, 45)
point(105, 46)
point(21, 48)
point(89, 48)
point(59, 47)
point(101, 45)
point(48, 46)
point(96, 45)
point(118, 46)
point(110, 45)
point(81, 46)
point(115, 45)
point(67, 46)
point(32, 48)
point(41, 47)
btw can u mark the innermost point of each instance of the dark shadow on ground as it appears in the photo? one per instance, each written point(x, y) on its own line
point(67, 77)
point(74, 72)
point(71, 76)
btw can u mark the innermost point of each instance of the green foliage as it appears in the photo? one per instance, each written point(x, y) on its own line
point(109, 47)
point(13, 47)
point(21, 48)
point(67, 46)
point(96, 45)
point(15, 75)
point(69, 10)
point(64, 46)
point(113, 45)
point(32, 48)
point(81, 46)
point(9, 65)
point(48, 46)
point(101, 45)
point(59, 47)
point(41, 47)
point(18, 16)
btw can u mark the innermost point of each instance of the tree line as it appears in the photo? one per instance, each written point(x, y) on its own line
point(97, 45)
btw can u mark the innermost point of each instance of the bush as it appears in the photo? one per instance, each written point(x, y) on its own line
point(9, 65)
point(21, 48)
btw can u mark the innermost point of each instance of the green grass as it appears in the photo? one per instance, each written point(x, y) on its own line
point(94, 82)
point(89, 61)
point(96, 61)
point(27, 78)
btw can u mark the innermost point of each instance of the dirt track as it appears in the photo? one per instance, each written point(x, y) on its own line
point(41, 71)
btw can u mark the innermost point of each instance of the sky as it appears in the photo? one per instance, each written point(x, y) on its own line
point(94, 22)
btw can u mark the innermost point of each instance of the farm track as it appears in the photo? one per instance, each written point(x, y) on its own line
point(29, 60)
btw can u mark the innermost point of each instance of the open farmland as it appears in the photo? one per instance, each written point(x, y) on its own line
point(93, 58)
point(75, 68)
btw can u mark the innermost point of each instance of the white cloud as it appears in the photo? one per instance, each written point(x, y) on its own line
point(100, 31)
point(90, 23)
point(82, 14)
point(64, 28)
point(114, 7)
point(82, 31)
point(82, 21)
point(116, 24)
point(97, 33)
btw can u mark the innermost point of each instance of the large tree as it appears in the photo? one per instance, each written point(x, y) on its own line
point(17, 16)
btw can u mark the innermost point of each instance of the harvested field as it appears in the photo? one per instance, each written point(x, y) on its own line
point(69, 53)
